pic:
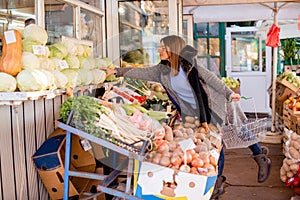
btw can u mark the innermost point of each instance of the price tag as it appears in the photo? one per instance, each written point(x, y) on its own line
point(10, 37)
point(187, 144)
point(214, 153)
point(86, 144)
point(63, 64)
point(39, 50)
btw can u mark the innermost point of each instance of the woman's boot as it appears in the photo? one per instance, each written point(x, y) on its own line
point(219, 189)
point(264, 166)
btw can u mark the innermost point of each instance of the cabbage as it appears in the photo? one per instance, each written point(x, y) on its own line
point(50, 79)
point(54, 63)
point(85, 76)
point(27, 44)
point(31, 80)
point(70, 46)
point(103, 62)
point(87, 51)
point(72, 61)
point(36, 32)
point(60, 79)
point(7, 82)
point(80, 50)
point(73, 77)
point(88, 63)
point(98, 76)
point(30, 61)
point(58, 50)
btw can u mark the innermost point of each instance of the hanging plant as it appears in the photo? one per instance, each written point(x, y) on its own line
point(290, 50)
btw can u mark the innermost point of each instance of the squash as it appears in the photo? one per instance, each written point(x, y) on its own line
point(11, 60)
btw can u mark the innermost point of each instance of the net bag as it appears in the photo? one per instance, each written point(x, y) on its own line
point(239, 134)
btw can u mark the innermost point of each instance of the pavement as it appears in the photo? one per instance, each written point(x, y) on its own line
point(241, 173)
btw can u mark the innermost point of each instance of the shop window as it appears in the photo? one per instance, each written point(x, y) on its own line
point(141, 26)
point(210, 46)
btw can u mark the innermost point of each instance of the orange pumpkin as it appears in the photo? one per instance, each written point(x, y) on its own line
point(11, 60)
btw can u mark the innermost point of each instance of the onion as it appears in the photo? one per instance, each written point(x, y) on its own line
point(165, 161)
point(156, 158)
point(176, 160)
point(163, 147)
point(185, 168)
point(197, 162)
point(172, 145)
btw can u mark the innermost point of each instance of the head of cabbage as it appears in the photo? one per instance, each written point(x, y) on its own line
point(7, 82)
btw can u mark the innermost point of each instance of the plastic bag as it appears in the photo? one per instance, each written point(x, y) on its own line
point(273, 36)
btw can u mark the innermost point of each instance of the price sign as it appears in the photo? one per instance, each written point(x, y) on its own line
point(187, 144)
point(10, 37)
point(86, 144)
point(63, 64)
point(39, 50)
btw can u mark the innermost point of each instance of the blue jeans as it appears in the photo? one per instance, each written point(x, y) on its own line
point(255, 148)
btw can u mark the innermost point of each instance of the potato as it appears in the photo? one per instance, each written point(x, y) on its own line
point(294, 153)
point(189, 119)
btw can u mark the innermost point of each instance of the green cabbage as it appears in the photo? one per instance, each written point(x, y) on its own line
point(88, 63)
point(32, 80)
point(103, 62)
point(85, 76)
point(98, 76)
point(50, 79)
point(88, 51)
point(7, 82)
point(36, 32)
point(73, 77)
point(60, 79)
point(27, 44)
point(73, 61)
point(58, 50)
point(30, 61)
point(70, 46)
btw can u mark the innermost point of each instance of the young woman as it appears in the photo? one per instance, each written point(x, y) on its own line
point(195, 91)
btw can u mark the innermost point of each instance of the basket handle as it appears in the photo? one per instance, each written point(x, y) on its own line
point(234, 107)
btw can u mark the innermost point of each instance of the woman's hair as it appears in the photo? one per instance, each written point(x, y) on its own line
point(175, 44)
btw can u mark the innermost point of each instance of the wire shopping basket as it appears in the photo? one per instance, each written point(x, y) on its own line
point(243, 134)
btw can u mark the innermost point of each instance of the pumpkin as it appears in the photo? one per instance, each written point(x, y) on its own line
point(11, 59)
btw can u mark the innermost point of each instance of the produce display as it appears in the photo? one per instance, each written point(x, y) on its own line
point(289, 172)
point(290, 77)
point(293, 103)
point(231, 82)
point(36, 66)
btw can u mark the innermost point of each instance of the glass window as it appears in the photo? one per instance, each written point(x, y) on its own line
point(214, 46)
point(214, 29)
point(202, 46)
point(58, 21)
point(201, 29)
point(245, 52)
point(91, 29)
point(142, 24)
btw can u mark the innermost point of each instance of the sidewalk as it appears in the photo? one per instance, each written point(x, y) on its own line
point(241, 173)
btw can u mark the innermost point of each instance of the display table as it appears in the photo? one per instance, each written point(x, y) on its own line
point(130, 152)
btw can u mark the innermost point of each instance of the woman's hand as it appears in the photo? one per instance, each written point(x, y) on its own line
point(109, 71)
point(235, 97)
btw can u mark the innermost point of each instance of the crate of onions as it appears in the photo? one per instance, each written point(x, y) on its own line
point(182, 163)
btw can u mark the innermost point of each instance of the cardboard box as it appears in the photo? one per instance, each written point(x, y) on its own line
point(49, 161)
point(150, 179)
